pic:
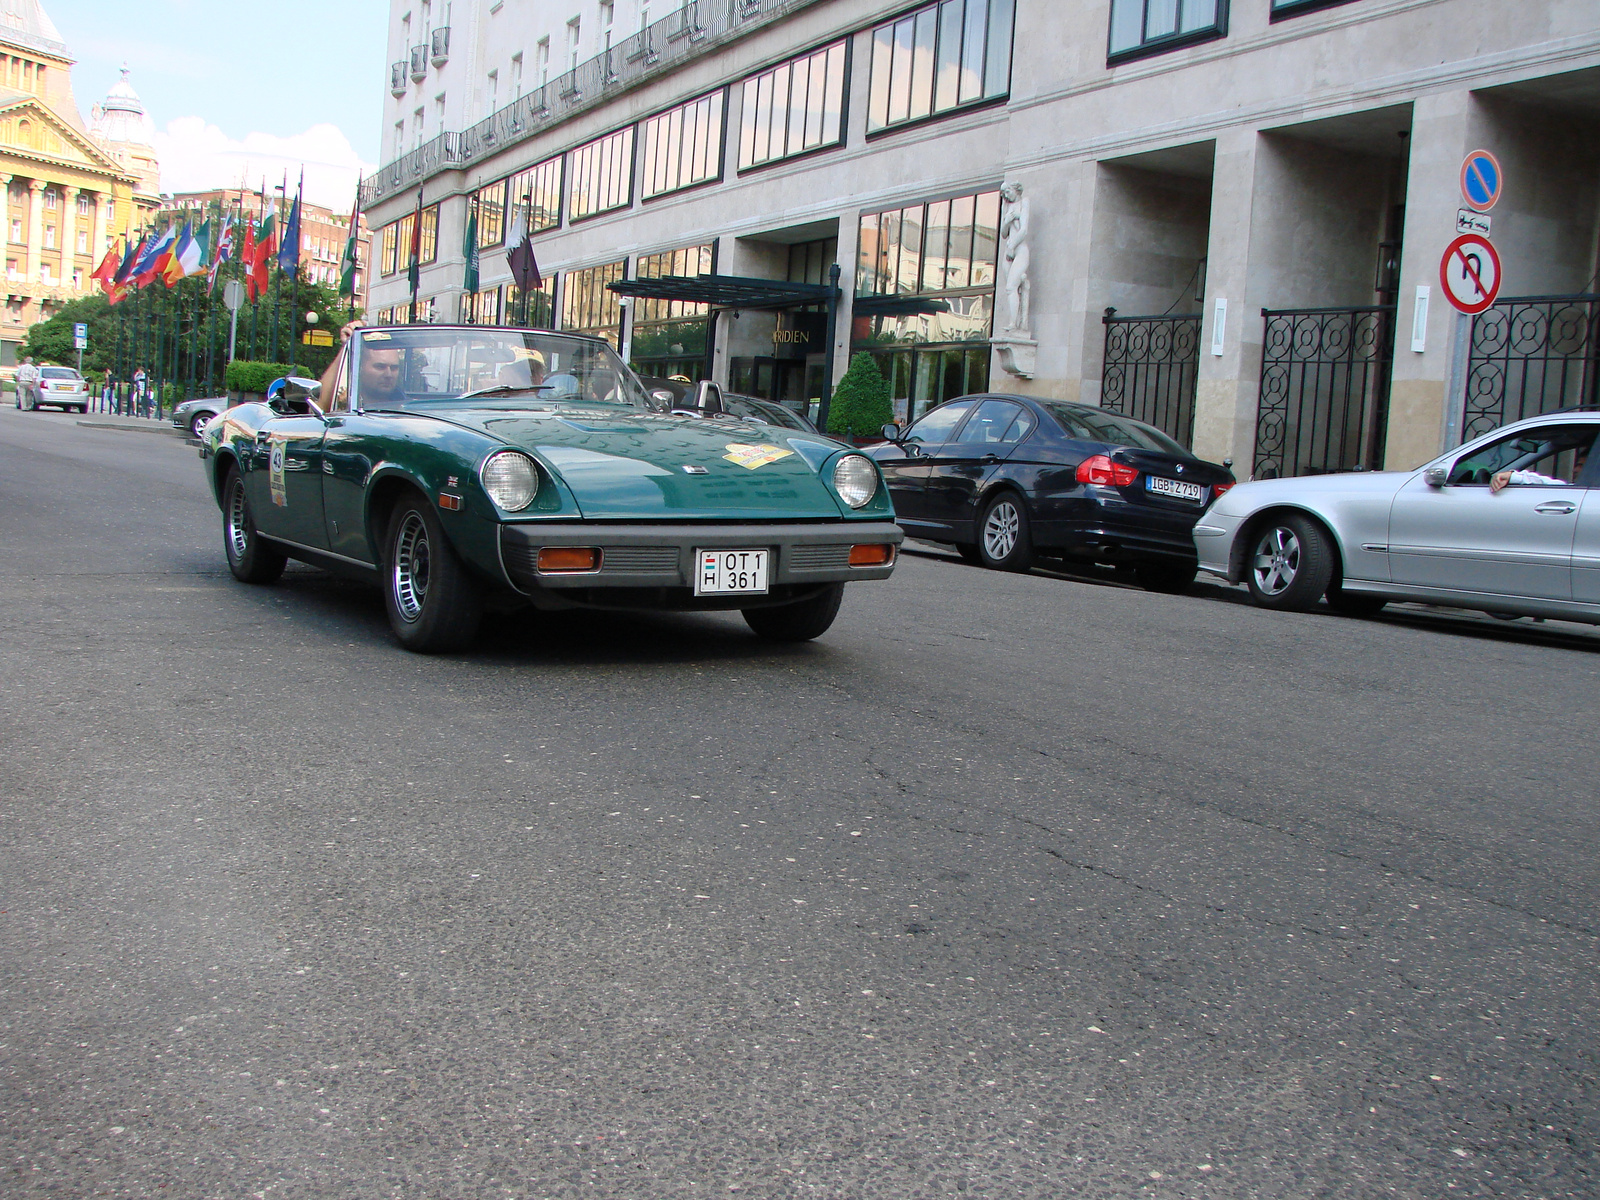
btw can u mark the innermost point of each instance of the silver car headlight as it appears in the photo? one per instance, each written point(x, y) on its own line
point(511, 479)
point(855, 479)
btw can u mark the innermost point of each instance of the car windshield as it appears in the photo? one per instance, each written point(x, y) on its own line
point(1097, 425)
point(420, 366)
point(58, 373)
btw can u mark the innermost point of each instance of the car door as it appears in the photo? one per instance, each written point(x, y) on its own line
point(958, 470)
point(1467, 537)
point(905, 463)
point(285, 489)
point(1586, 541)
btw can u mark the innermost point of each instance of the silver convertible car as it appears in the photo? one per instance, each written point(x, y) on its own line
point(1509, 524)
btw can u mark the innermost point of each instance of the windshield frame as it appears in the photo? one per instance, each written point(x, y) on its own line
point(633, 397)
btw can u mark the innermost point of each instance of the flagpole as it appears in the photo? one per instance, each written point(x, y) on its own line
point(351, 239)
point(278, 291)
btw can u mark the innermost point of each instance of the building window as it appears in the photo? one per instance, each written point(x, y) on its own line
point(1140, 27)
point(574, 35)
point(943, 251)
point(438, 112)
point(428, 244)
point(602, 174)
point(668, 337)
point(588, 306)
point(111, 210)
point(491, 94)
point(1291, 8)
point(388, 261)
point(533, 197)
point(683, 146)
point(50, 200)
point(608, 15)
point(938, 59)
point(794, 107)
point(399, 138)
point(491, 202)
point(16, 229)
point(49, 237)
point(83, 206)
point(83, 241)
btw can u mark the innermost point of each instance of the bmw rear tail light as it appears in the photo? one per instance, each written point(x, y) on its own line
point(1100, 469)
point(1218, 488)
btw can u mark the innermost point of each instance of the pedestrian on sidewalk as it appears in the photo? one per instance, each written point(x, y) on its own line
point(139, 380)
point(27, 384)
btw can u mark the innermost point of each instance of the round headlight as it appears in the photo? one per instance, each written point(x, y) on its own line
point(855, 479)
point(511, 480)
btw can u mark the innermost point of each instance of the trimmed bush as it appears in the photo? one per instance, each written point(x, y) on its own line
point(861, 404)
point(245, 376)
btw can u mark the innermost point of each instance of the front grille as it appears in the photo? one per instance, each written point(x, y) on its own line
point(639, 560)
point(819, 558)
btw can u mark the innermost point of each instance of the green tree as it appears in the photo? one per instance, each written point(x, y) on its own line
point(861, 404)
point(51, 341)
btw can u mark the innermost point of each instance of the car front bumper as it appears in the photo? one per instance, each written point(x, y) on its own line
point(652, 566)
point(1214, 536)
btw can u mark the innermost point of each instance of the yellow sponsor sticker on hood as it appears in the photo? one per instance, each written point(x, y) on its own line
point(751, 457)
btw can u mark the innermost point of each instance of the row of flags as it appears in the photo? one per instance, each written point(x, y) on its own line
point(519, 253)
point(176, 253)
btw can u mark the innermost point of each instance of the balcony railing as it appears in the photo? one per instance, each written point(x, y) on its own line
point(663, 46)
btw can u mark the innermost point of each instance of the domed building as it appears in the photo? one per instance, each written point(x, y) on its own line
point(68, 194)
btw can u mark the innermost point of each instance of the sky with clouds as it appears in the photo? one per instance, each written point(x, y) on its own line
point(242, 90)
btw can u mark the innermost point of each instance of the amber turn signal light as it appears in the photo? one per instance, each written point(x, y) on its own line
point(879, 554)
point(569, 558)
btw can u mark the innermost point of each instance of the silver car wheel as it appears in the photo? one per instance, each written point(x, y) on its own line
point(1000, 530)
point(409, 575)
point(238, 530)
point(1277, 561)
point(199, 423)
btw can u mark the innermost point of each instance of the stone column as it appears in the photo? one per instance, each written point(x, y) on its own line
point(68, 231)
point(102, 234)
point(1228, 383)
point(35, 228)
point(5, 211)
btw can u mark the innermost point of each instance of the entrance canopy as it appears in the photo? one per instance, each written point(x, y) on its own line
point(727, 291)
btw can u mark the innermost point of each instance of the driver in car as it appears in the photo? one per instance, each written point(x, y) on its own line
point(1503, 479)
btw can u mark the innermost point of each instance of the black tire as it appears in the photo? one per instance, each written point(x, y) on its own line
point(969, 554)
point(1170, 578)
point(199, 423)
point(1354, 604)
point(1005, 542)
point(800, 621)
point(434, 604)
point(250, 557)
point(1289, 563)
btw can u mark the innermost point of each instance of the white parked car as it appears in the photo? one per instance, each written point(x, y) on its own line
point(63, 388)
point(1508, 523)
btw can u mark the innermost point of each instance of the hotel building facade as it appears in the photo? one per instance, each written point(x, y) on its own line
point(1225, 217)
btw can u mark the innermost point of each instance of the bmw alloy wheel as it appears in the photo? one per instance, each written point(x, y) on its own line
point(1000, 530)
point(1277, 561)
point(411, 567)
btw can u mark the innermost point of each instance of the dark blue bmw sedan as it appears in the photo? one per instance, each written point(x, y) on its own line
point(1003, 478)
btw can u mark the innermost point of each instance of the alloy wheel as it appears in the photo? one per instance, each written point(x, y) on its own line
point(238, 521)
point(411, 567)
point(1277, 561)
point(1000, 530)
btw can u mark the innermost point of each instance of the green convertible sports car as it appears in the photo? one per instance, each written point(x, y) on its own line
point(458, 466)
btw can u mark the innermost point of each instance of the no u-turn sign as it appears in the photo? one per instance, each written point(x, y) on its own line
point(1470, 273)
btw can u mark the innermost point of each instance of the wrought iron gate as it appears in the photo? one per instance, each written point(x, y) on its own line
point(1324, 400)
point(1531, 355)
point(1150, 370)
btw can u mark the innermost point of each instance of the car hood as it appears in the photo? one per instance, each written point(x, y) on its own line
point(627, 465)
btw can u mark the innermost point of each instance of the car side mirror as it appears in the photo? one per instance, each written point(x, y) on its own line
point(708, 398)
point(1436, 477)
point(892, 432)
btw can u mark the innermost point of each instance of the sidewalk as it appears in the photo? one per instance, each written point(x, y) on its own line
point(96, 420)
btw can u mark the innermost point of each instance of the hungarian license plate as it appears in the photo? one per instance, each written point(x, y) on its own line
point(1181, 489)
point(728, 572)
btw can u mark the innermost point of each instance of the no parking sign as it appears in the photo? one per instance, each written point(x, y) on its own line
point(1470, 273)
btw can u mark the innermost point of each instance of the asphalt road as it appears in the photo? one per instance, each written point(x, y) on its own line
point(1011, 886)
